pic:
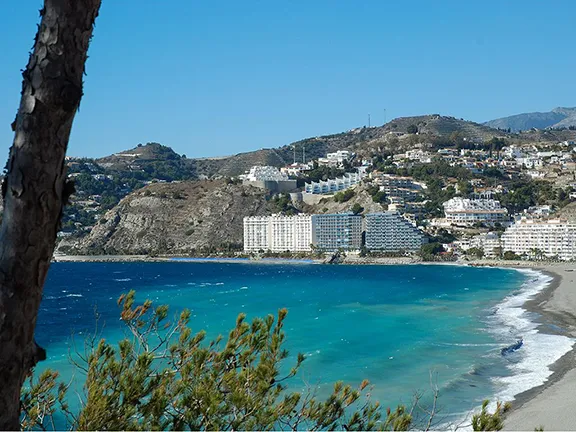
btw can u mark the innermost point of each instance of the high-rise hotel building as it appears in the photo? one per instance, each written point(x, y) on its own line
point(554, 237)
point(390, 232)
point(339, 231)
point(278, 233)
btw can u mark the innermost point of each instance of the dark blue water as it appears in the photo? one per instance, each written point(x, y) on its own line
point(392, 325)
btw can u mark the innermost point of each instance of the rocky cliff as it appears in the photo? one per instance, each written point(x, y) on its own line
point(174, 218)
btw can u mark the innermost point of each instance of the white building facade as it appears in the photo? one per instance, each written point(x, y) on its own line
point(270, 178)
point(390, 232)
point(278, 233)
point(337, 158)
point(256, 233)
point(333, 185)
point(551, 238)
point(464, 211)
point(489, 243)
point(333, 232)
point(264, 173)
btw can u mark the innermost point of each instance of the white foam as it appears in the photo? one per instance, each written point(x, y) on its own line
point(123, 280)
point(228, 291)
point(531, 366)
point(74, 295)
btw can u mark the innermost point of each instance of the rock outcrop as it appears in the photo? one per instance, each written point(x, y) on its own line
point(175, 218)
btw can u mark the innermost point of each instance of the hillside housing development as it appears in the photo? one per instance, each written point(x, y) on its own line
point(489, 243)
point(333, 185)
point(464, 211)
point(399, 186)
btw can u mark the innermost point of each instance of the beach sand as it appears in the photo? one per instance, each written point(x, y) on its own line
point(552, 404)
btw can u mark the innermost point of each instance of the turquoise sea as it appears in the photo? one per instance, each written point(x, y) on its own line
point(396, 326)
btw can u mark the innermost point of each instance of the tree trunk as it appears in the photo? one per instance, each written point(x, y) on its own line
point(35, 186)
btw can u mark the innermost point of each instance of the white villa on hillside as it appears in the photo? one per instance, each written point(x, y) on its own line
point(336, 159)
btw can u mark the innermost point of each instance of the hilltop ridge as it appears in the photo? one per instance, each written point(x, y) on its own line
point(363, 139)
point(560, 117)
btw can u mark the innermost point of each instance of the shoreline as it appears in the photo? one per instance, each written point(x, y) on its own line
point(549, 404)
point(180, 259)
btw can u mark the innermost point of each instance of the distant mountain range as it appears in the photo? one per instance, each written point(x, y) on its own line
point(557, 118)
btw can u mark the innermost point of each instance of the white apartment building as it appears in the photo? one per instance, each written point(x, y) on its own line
point(264, 173)
point(513, 151)
point(541, 211)
point(256, 233)
point(397, 186)
point(295, 169)
point(390, 232)
point(555, 237)
point(464, 211)
point(278, 233)
point(333, 185)
point(332, 232)
point(337, 158)
point(489, 242)
point(418, 155)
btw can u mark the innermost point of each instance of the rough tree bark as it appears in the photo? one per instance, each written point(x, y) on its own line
point(35, 187)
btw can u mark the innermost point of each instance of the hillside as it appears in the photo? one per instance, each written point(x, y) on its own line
point(179, 218)
point(175, 218)
point(557, 118)
point(313, 149)
point(152, 160)
point(231, 166)
point(438, 125)
point(101, 183)
point(360, 139)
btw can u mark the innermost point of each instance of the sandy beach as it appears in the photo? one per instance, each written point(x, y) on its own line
point(551, 405)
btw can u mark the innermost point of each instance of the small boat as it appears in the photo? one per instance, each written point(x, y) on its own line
point(511, 348)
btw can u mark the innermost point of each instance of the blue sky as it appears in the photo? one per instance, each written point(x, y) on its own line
point(220, 77)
